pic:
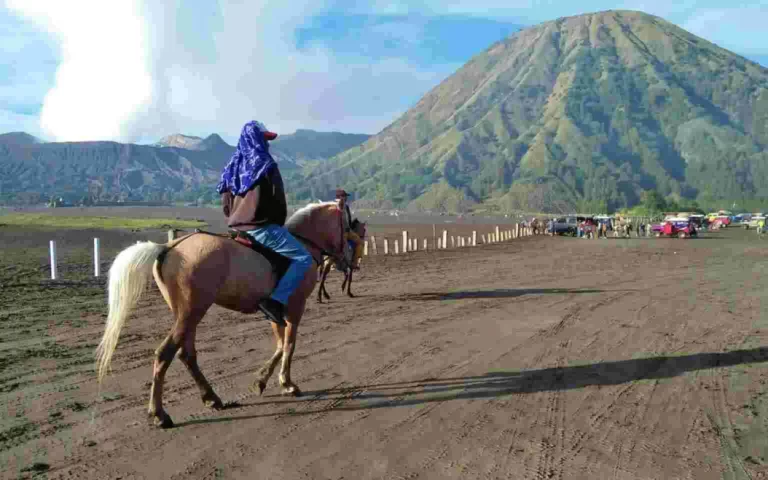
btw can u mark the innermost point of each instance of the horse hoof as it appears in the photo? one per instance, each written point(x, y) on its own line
point(162, 420)
point(213, 401)
point(258, 387)
point(291, 391)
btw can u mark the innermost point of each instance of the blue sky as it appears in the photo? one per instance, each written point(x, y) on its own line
point(149, 68)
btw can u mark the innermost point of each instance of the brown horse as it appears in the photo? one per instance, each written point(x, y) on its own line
point(328, 262)
point(199, 270)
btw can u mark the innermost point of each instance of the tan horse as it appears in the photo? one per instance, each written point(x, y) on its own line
point(328, 262)
point(199, 270)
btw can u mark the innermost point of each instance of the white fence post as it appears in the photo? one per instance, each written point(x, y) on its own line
point(445, 238)
point(425, 244)
point(396, 248)
point(365, 248)
point(405, 241)
point(386, 247)
point(474, 238)
point(96, 261)
point(53, 259)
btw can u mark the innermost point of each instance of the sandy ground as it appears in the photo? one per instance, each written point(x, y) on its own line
point(540, 358)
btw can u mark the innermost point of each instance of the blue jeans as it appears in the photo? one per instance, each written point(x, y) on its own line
point(281, 241)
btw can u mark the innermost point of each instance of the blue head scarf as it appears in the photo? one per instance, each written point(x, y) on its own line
point(250, 162)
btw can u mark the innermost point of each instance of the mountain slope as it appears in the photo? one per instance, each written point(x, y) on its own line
point(306, 145)
point(581, 112)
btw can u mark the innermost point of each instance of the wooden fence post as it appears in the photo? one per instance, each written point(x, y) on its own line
point(96, 261)
point(52, 246)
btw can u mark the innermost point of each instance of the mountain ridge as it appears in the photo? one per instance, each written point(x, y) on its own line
point(176, 168)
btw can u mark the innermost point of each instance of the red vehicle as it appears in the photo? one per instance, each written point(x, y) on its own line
point(677, 227)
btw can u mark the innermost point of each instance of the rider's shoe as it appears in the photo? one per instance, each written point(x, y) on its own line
point(273, 310)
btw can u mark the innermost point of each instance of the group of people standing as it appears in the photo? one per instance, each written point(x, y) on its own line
point(253, 200)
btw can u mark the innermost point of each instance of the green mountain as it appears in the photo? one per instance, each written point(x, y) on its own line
point(583, 112)
point(177, 168)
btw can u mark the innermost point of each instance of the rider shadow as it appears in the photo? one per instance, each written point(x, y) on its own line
point(504, 383)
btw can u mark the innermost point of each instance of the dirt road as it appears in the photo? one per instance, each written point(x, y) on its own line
point(541, 358)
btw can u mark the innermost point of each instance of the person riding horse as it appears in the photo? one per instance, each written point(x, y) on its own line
point(349, 233)
point(253, 200)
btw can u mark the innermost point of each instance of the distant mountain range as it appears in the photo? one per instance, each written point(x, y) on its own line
point(176, 168)
point(581, 113)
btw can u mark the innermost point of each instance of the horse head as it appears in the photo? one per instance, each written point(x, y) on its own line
point(359, 227)
point(320, 223)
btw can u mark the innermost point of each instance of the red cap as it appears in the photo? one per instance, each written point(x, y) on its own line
point(268, 134)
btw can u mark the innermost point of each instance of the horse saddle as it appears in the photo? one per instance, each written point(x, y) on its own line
point(279, 262)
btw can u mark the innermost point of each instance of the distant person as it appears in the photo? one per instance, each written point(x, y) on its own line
point(349, 234)
point(253, 199)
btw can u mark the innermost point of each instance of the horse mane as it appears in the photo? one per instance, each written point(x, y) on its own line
point(302, 215)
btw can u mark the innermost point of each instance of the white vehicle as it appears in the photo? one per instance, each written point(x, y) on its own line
point(754, 221)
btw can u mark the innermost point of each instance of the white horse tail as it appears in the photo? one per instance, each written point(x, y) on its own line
point(128, 278)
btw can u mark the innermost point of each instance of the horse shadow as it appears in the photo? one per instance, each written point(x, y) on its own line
point(497, 293)
point(499, 384)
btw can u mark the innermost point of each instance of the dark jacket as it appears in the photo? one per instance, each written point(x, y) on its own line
point(262, 205)
point(348, 223)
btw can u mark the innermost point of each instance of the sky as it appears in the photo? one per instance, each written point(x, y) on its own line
point(137, 70)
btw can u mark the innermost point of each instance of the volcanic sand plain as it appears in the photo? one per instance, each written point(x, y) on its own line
point(536, 358)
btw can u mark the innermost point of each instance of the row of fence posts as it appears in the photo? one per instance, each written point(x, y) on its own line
point(96, 256)
point(408, 244)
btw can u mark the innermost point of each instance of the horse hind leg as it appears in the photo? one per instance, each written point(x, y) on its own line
point(163, 358)
point(188, 357)
point(266, 371)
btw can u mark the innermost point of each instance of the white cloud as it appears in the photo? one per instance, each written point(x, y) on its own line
point(128, 72)
point(102, 79)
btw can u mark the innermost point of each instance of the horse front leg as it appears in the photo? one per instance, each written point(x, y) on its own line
point(349, 285)
point(289, 345)
point(265, 372)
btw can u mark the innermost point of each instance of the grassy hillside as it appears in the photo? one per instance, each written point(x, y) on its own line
point(582, 112)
